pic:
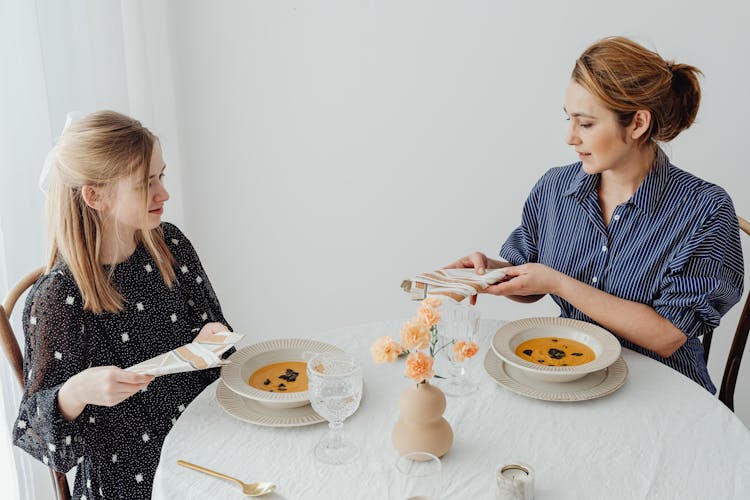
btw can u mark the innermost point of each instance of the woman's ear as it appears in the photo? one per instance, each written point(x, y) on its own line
point(640, 124)
point(93, 197)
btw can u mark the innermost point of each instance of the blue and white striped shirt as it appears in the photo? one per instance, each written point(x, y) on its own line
point(675, 246)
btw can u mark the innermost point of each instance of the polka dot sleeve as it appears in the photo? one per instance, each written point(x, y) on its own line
point(55, 351)
point(202, 298)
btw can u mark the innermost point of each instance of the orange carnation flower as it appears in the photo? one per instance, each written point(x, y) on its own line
point(419, 367)
point(463, 350)
point(385, 349)
point(415, 335)
point(433, 302)
point(428, 315)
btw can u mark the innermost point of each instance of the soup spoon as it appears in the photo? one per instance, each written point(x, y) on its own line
point(249, 489)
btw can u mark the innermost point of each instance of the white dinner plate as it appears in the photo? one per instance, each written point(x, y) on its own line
point(250, 410)
point(606, 347)
point(244, 362)
point(592, 386)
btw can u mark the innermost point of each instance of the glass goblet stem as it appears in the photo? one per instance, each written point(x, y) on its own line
point(336, 433)
point(456, 370)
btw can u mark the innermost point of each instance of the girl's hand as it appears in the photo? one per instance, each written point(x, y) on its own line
point(528, 279)
point(101, 386)
point(208, 330)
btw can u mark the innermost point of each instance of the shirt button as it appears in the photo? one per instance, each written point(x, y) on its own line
point(604, 248)
point(617, 217)
point(594, 279)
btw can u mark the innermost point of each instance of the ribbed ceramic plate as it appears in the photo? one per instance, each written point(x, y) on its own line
point(253, 357)
point(509, 336)
point(592, 386)
point(250, 410)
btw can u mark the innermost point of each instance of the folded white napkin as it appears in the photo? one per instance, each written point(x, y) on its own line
point(193, 356)
point(454, 283)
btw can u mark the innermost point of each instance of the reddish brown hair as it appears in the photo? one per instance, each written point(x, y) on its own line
point(628, 77)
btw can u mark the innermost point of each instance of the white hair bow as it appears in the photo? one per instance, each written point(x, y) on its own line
point(52, 155)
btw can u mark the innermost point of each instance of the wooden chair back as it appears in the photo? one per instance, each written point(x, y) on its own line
point(15, 358)
point(732, 368)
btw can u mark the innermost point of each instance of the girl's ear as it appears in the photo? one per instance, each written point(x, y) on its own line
point(640, 124)
point(93, 197)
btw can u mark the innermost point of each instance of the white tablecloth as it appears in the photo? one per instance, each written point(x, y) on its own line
point(660, 436)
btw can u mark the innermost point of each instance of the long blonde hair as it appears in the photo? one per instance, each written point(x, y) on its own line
point(627, 77)
point(98, 150)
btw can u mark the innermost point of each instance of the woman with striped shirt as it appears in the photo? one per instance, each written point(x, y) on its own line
point(623, 238)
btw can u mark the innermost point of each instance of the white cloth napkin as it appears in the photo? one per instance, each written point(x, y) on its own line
point(454, 283)
point(193, 356)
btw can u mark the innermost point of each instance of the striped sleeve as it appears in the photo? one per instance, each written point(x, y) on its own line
point(521, 246)
point(705, 277)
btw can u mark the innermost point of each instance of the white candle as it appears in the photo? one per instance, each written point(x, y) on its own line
point(515, 482)
point(514, 473)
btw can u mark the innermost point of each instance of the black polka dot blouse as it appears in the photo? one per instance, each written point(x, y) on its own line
point(115, 448)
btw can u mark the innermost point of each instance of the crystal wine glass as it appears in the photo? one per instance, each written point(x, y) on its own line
point(458, 322)
point(335, 387)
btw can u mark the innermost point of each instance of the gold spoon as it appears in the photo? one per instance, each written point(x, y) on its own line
point(249, 489)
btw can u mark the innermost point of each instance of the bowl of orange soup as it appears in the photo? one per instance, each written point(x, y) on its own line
point(273, 372)
point(556, 349)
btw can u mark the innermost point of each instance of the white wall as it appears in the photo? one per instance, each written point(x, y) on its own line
point(332, 149)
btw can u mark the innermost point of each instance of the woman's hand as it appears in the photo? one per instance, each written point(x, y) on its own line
point(101, 386)
point(210, 329)
point(478, 261)
point(528, 280)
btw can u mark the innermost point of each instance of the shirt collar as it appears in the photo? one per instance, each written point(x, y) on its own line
point(582, 184)
point(647, 196)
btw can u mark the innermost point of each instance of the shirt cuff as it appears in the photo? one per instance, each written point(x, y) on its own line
point(684, 319)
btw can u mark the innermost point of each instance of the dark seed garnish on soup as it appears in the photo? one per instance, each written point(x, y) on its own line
point(556, 353)
point(290, 375)
point(287, 376)
point(552, 351)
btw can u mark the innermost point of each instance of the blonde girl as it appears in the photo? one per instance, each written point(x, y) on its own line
point(121, 286)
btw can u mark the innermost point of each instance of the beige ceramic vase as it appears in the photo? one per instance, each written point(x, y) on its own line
point(421, 426)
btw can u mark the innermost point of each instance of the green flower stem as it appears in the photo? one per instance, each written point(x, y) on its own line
point(433, 340)
point(445, 345)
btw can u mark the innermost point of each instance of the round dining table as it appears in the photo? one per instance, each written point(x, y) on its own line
point(659, 436)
